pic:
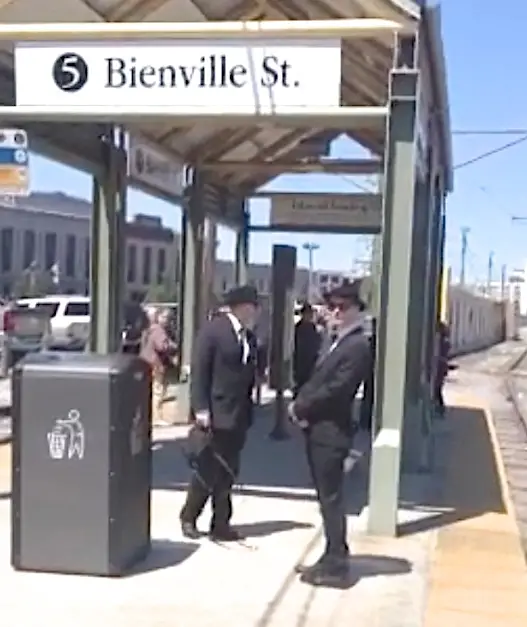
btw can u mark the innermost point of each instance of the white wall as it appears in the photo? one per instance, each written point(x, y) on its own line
point(476, 322)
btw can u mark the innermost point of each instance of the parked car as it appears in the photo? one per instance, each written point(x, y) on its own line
point(22, 331)
point(69, 318)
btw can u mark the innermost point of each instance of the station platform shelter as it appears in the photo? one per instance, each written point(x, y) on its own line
point(260, 86)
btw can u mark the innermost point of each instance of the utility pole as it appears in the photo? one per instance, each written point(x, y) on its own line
point(311, 247)
point(464, 249)
point(503, 281)
point(490, 272)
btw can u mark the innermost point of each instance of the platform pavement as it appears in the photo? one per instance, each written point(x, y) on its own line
point(395, 583)
point(478, 574)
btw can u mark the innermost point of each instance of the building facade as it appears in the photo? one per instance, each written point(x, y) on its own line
point(51, 231)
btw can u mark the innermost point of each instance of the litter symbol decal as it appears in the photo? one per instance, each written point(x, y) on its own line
point(67, 439)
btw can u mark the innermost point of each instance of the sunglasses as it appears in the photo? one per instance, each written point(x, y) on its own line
point(340, 305)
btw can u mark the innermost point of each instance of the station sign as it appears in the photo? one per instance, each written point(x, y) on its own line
point(153, 169)
point(14, 162)
point(232, 77)
point(327, 212)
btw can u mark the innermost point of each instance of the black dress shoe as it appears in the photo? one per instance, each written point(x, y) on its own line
point(190, 531)
point(331, 574)
point(225, 535)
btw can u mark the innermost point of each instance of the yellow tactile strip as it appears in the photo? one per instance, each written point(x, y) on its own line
point(478, 575)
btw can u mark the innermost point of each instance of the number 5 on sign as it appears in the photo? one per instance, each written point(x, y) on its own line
point(14, 162)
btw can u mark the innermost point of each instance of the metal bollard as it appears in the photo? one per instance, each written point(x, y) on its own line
point(280, 431)
point(4, 356)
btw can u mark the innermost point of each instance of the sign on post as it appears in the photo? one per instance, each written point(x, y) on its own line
point(238, 76)
point(14, 162)
point(153, 169)
point(327, 212)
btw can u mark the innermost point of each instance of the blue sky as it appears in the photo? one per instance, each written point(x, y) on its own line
point(486, 53)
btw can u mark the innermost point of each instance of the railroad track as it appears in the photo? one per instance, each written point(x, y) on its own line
point(511, 428)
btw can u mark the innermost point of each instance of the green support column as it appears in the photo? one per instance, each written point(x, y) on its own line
point(416, 449)
point(193, 231)
point(241, 262)
point(397, 414)
point(434, 277)
point(107, 248)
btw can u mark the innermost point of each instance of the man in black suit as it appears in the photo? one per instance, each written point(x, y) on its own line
point(306, 347)
point(222, 380)
point(323, 410)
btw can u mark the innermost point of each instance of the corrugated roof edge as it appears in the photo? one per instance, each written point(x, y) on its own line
point(430, 14)
point(432, 22)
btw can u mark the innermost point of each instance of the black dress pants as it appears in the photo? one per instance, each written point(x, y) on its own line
point(216, 469)
point(326, 464)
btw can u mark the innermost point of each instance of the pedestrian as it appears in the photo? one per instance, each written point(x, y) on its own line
point(307, 341)
point(222, 379)
point(442, 367)
point(158, 350)
point(322, 410)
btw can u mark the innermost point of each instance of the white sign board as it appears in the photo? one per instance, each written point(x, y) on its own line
point(327, 211)
point(239, 76)
point(153, 169)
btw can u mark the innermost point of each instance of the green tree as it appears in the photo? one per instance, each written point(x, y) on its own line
point(33, 283)
point(165, 292)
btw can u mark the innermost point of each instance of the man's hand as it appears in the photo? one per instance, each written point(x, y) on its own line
point(203, 419)
point(292, 415)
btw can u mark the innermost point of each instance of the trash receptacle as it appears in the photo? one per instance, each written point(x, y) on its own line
point(81, 463)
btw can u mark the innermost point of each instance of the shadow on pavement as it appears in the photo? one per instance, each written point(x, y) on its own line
point(268, 527)
point(470, 485)
point(269, 469)
point(164, 554)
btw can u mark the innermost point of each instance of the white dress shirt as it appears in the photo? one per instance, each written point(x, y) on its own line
point(241, 335)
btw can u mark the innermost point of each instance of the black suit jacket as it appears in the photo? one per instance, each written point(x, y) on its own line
point(325, 400)
point(219, 380)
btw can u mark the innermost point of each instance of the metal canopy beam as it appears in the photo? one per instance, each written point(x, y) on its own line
point(338, 166)
point(135, 31)
point(343, 118)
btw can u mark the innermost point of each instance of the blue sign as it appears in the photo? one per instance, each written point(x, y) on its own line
point(14, 162)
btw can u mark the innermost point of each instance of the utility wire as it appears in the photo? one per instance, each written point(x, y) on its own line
point(491, 153)
point(475, 133)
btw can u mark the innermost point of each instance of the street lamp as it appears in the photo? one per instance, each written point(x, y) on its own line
point(311, 247)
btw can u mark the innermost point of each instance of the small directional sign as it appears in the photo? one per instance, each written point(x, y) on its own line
point(14, 162)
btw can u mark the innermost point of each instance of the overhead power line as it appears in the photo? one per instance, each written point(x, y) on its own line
point(491, 153)
point(507, 131)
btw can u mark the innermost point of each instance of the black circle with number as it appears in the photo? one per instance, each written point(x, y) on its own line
point(70, 72)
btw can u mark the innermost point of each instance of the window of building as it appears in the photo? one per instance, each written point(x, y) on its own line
point(161, 265)
point(50, 250)
point(335, 279)
point(77, 308)
point(7, 248)
point(87, 258)
point(147, 265)
point(324, 278)
point(29, 248)
point(131, 266)
point(71, 255)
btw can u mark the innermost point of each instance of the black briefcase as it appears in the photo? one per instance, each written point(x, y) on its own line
point(81, 463)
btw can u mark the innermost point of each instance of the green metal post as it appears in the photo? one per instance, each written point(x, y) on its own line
point(241, 267)
point(393, 402)
point(192, 244)
point(107, 248)
point(434, 277)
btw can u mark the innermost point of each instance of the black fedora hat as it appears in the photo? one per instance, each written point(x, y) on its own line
point(241, 295)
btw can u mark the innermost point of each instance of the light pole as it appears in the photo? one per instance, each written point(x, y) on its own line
point(311, 247)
